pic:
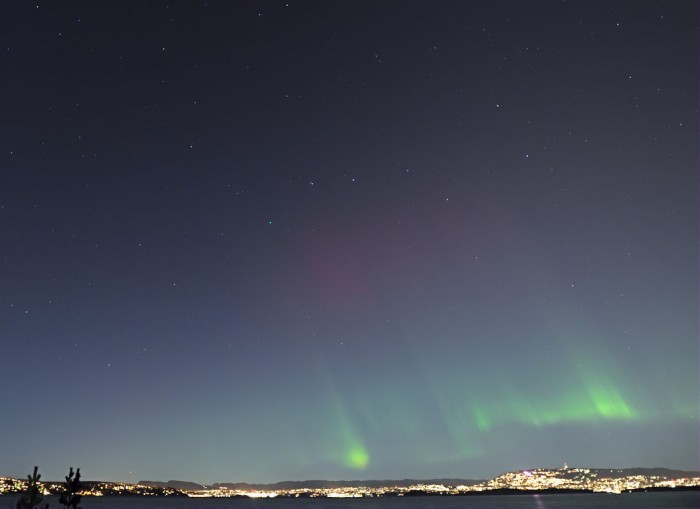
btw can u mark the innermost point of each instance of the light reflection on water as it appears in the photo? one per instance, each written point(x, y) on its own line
point(538, 501)
point(677, 500)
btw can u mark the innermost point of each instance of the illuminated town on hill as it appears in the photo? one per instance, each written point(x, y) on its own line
point(540, 479)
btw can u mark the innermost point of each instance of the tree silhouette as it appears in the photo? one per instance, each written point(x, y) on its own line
point(32, 496)
point(70, 497)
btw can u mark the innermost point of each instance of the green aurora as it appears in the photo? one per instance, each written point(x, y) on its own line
point(584, 392)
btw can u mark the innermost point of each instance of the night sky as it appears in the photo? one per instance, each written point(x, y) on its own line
point(259, 241)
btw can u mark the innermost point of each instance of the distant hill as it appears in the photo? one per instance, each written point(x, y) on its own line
point(660, 471)
point(178, 485)
point(310, 484)
point(319, 483)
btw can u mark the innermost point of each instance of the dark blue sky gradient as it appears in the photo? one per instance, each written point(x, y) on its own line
point(266, 241)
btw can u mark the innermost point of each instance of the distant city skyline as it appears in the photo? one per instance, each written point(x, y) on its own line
point(294, 240)
point(537, 480)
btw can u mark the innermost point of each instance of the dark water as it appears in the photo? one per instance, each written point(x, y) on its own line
point(678, 500)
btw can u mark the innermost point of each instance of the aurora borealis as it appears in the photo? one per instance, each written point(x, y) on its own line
point(326, 240)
